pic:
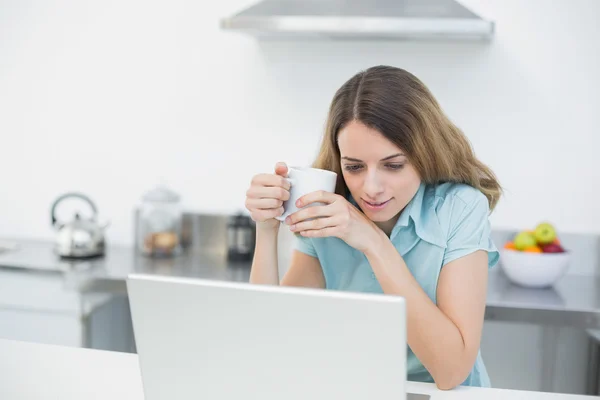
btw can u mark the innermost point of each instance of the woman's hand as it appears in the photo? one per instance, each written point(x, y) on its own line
point(336, 218)
point(265, 197)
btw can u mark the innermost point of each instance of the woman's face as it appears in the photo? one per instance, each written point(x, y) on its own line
point(377, 173)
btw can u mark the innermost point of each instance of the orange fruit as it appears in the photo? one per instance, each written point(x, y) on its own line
point(533, 249)
point(510, 245)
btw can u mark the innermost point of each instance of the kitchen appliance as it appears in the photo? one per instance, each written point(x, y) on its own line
point(80, 237)
point(364, 19)
point(159, 230)
point(240, 238)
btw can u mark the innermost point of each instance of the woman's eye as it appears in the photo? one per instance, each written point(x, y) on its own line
point(395, 166)
point(353, 168)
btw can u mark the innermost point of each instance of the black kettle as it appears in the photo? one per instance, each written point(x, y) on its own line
point(240, 238)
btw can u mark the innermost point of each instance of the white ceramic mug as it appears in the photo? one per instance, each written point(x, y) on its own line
point(304, 180)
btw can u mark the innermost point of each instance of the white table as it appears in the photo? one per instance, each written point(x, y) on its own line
point(34, 371)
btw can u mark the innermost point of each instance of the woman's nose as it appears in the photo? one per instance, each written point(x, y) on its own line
point(373, 186)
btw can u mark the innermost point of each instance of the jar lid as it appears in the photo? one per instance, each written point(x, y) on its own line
point(161, 194)
point(240, 220)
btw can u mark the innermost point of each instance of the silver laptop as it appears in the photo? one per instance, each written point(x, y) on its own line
point(200, 339)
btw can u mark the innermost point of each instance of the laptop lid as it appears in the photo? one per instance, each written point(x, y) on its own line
point(201, 339)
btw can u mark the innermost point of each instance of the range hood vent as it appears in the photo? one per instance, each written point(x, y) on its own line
point(361, 19)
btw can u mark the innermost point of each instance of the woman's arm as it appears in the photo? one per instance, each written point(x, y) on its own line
point(304, 270)
point(264, 264)
point(446, 337)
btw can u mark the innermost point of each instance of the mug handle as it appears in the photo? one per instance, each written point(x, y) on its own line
point(282, 217)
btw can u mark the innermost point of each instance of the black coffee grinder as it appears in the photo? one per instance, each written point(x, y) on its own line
point(241, 237)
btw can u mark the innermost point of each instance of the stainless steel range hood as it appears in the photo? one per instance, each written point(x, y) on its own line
point(371, 19)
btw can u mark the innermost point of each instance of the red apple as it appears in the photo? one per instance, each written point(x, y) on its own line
point(552, 248)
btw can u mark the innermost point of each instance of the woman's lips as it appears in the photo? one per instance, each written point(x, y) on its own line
point(375, 206)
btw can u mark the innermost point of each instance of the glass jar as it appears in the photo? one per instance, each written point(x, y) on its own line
point(160, 223)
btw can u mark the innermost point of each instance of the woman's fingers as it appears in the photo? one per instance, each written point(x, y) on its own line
point(263, 204)
point(320, 196)
point(309, 213)
point(315, 224)
point(270, 180)
point(268, 192)
point(325, 232)
point(265, 197)
point(281, 169)
point(263, 215)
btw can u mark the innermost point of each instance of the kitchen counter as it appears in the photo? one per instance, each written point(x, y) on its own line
point(36, 371)
point(108, 273)
point(574, 301)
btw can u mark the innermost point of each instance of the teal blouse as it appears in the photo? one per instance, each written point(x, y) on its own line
point(440, 224)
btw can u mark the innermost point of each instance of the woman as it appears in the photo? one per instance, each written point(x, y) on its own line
point(409, 218)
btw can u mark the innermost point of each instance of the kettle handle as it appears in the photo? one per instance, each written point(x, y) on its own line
point(71, 194)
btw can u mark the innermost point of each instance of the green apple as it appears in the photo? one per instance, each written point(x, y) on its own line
point(545, 233)
point(524, 240)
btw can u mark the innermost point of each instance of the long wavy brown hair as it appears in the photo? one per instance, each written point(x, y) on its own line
point(399, 106)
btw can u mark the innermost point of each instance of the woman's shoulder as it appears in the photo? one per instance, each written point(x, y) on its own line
point(452, 197)
point(462, 212)
point(452, 203)
point(452, 191)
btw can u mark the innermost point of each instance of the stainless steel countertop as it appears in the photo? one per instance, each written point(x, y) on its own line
point(108, 273)
point(574, 301)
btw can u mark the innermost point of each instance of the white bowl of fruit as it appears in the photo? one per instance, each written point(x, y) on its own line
point(535, 258)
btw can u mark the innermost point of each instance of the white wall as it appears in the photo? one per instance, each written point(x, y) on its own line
point(108, 97)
